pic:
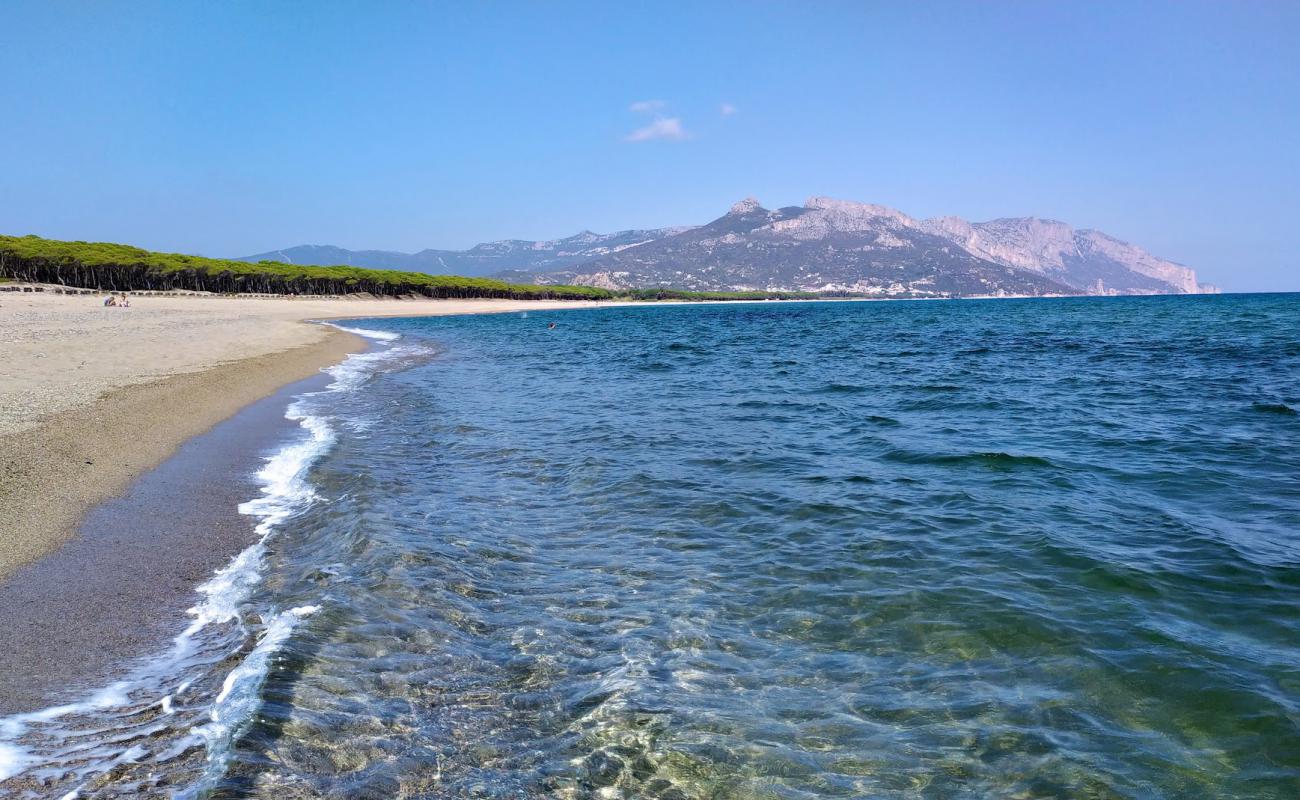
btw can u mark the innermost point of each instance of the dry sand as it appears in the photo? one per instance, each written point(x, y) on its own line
point(91, 397)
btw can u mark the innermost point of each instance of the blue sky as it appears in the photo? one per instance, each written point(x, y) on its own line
point(234, 128)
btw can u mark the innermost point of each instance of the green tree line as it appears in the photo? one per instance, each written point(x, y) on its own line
point(119, 267)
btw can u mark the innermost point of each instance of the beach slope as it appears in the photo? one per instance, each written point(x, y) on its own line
point(92, 396)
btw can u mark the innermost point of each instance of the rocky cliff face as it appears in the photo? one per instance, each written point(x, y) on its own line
point(1084, 259)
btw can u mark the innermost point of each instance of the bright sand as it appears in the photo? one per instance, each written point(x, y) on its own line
point(91, 397)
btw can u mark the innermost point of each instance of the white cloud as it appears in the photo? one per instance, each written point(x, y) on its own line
point(727, 109)
point(669, 129)
point(645, 106)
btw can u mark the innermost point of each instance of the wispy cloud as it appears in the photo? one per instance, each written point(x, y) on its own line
point(645, 106)
point(666, 128)
point(727, 109)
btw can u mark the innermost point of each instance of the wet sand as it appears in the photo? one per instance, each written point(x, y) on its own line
point(119, 589)
point(55, 472)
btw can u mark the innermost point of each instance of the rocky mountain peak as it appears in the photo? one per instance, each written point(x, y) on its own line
point(820, 203)
point(851, 210)
point(747, 206)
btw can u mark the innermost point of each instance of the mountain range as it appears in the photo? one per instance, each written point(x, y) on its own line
point(482, 259)
point(825, 245)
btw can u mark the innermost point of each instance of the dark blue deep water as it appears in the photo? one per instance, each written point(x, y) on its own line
point(995, 549)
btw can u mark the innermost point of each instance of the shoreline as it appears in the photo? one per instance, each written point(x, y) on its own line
point(91, 398)
point(118, 590)
point(70, 441)
point(56, 472)
point(113, 511)
point(72, 476)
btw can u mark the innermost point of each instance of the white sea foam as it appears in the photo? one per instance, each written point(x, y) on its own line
point(68, 736)
point(381, 336)
point(13, 760)
point(239, 697)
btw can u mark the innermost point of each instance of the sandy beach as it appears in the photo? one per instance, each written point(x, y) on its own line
point(119, 587)
point(91, 397)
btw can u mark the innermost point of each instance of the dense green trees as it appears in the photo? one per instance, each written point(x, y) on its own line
point(119, 267)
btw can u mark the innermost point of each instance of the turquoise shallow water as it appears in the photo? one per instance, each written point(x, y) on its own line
point(1022, 549)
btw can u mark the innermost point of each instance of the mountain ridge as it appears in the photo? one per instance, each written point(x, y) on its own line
point(832, 245)
point(826, 245)
point(482, 259)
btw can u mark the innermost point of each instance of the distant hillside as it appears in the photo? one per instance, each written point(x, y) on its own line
point(482, 259)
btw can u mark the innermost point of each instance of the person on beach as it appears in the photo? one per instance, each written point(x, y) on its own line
point(110, 301)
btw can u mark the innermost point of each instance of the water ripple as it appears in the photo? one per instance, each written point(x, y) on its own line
point(978, 549)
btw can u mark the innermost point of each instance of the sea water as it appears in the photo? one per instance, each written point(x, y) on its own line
point(1029, 549)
